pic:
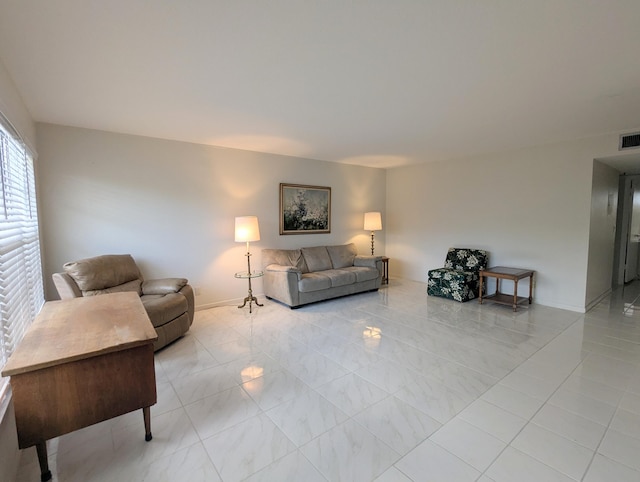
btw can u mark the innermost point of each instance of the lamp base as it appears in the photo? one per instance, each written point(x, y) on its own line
point(251, 299)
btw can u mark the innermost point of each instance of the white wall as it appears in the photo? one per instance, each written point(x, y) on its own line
point(602, 232)
point(14, 109)
point(172, 205)
point(529, 208)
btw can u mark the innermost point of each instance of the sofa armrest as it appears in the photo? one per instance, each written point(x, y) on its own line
point(283, 268)
point(280, 282)
point(367, 261)
point(163, 286)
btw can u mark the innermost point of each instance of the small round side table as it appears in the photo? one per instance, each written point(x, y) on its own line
point(250, 298)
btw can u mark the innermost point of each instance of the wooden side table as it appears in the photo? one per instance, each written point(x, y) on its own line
point(249, 275)
point(385, 270)
point(513, 274)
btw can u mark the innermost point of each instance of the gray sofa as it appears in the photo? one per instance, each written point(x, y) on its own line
point(297, 277)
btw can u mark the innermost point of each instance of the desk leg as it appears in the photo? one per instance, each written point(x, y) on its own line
point(481, 277)
point(515, 295)
point(146, 412)
point(531, 288)
point(45, 473)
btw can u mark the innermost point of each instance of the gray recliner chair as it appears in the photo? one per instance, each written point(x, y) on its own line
point(169, 302)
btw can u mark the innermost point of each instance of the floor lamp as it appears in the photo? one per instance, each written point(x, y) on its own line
point(247, 230)
point(372, 222)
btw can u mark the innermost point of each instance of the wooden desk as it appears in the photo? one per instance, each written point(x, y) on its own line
point(513, 274)
point(82, 361)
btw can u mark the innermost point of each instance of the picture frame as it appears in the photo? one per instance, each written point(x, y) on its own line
point(305, 209)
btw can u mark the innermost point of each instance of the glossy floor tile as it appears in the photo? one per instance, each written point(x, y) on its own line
point(386, 386)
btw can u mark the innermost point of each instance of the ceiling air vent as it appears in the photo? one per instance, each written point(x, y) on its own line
point(629, 141)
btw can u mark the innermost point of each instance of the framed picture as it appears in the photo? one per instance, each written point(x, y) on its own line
point(305, 209)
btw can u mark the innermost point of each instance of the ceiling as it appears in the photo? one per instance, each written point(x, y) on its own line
point(370, 82)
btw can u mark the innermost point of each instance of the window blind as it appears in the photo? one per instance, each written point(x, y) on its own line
point(21, 290)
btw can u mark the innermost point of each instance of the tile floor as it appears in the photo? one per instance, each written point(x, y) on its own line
point(387, 386)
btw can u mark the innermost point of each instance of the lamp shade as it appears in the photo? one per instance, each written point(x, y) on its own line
point(372, 221)
point(247, 229)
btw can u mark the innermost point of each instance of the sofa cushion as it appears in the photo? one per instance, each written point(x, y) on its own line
point(102, 272)
point(339, 277)
point(363, 273)
point(342, 256)
point(164, 308)
point(464, 259)
point(448, 274)
point(317, 258)
point(313, 282)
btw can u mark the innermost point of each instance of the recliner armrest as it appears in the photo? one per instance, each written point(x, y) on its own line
point(66, 286)
point(163, 286)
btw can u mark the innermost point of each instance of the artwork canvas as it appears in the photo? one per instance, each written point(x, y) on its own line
point(305, 209)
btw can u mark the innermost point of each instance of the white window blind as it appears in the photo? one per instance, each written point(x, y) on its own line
point(21, 290)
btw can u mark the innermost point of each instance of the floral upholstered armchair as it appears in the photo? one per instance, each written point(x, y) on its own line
point(460, 278)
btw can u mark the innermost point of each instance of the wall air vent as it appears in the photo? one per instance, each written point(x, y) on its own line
point(629, 141)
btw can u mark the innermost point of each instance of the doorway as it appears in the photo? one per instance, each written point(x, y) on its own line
point(627, 250)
